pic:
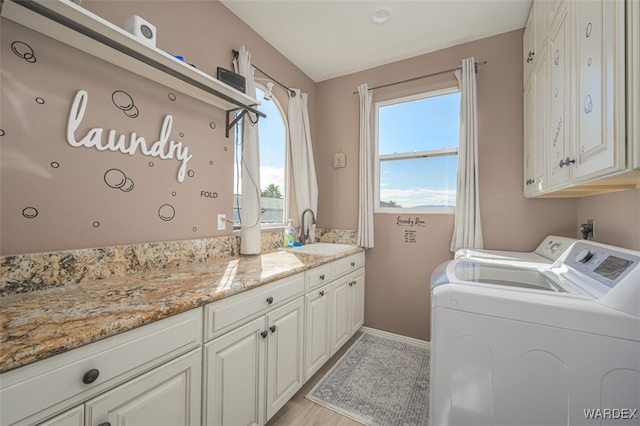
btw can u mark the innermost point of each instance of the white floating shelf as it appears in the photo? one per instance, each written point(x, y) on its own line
point(73, 25)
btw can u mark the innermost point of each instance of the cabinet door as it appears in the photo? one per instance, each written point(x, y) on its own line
point(318, 329)
point(528, 48)
point(340, 316)
point(600, 102)
point(535, 129)
point(285, 350)
point(167, 395)
point(356, 288)
point(73, 417)
point(633, 83)
point(559, 138)
point(233, 389)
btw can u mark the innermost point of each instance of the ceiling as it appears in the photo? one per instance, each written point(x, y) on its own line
point(331, 38)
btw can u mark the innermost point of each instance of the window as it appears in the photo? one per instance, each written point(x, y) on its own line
point(273, 164)
point(417, 153)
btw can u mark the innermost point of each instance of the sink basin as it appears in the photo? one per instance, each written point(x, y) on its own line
point(327, 249)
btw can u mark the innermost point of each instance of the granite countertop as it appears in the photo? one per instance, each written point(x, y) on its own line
point(40, 324)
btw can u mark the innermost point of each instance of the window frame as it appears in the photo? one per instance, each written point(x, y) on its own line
point(407, 155)
point(287, 187)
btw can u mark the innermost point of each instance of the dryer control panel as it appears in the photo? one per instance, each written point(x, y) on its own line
point(611, 274)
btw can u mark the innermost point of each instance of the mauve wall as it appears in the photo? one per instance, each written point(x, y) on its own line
point(616, 216)
point(56, 196)
point(399, 267)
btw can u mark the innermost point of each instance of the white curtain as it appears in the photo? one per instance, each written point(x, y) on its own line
point(304, 169)
point(467, 228)
point(365, 182)
point(250, 238)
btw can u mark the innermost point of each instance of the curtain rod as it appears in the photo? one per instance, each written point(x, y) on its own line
point(293, 94)
point(424, 76)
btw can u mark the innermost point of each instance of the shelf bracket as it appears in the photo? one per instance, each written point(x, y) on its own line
point(231, 124)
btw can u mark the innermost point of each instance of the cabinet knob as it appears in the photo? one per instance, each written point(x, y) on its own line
point(269, 300)
point(353, 263)
point(264, 334)
point(321, 292)
point(90, 376)
point(322, 277)
point(530, 56)
point(530, 181)
point(566, 162)
point(272, 328)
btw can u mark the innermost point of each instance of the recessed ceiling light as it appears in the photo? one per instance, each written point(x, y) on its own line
point(380, 15)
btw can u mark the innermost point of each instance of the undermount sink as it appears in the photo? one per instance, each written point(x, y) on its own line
point(327, 249)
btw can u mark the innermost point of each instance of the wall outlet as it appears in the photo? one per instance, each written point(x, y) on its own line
point(593, 227)
point(222, 222)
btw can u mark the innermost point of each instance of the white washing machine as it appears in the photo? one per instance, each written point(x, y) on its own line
point(553, 346)
point(548, 251)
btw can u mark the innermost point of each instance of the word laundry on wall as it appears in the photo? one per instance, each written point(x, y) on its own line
point(64, 180)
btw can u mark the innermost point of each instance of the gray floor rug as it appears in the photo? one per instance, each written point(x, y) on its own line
point(378, 381)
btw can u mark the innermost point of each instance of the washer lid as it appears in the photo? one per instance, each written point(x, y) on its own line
point(502, 275)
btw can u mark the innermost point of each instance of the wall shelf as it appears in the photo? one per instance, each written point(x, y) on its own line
point(73, 25)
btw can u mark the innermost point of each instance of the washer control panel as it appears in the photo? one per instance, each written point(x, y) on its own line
point(554, 246)
point(605, 265)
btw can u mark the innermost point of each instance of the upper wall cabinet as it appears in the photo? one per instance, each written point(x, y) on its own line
point(73, 25)
point(586, 144)
point(633, 80)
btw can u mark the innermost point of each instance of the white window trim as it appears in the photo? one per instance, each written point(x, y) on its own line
point(416, 154)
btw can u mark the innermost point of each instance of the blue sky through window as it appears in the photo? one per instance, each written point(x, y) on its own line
point(426, 124)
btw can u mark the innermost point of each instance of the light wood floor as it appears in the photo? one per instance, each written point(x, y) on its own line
point(301, 411)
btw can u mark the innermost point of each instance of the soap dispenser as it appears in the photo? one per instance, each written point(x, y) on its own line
point(289, 232)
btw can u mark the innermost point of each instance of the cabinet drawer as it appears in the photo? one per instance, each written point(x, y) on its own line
point(347, 264)
point(56, 383)
point(318, 276)
point(233, 311)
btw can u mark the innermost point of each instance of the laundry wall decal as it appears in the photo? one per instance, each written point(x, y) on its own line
point(162, 148)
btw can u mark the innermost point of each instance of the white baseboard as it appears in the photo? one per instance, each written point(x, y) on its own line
point(398, 337)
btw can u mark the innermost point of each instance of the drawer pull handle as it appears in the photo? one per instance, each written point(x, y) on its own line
point(272, 328)
point(269, 300)
point(104, 424)
point(264, 334)
point(322, 277)
point(322, 293)
point(353, 263)
point(90, 376)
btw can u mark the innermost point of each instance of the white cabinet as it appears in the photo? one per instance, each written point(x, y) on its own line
point(255, 367)
point(285, 354)
point(64, 383)
point(317, 329)
point(335, 311)
point(73, 417)
point(535, 128)
point(233, 382)
point(633, 81)
point(348, 308)
point(558, 138)
point(168, 395)
point(533, 39)
point(598, 146)
point(576, 101)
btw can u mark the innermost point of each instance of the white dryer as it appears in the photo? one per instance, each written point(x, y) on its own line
point(555, 345)
point(547, 252)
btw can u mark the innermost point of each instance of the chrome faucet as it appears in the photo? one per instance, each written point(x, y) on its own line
point(304, 236)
